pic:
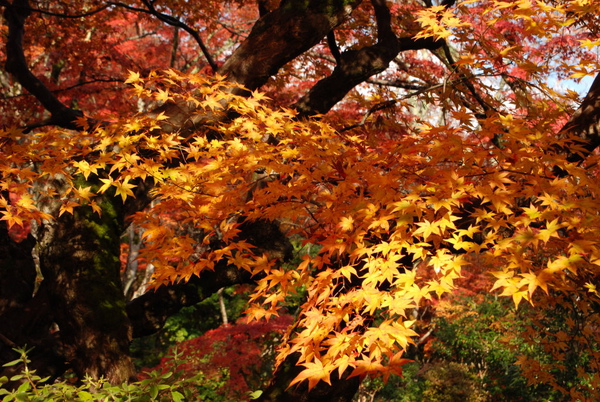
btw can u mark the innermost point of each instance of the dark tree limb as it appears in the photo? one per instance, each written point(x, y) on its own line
point(173, 21)
point(263, 7)
point(277, 38)
point(584, 124)
point(357, 66)
point(333, 47)
point(282, 35)
point(16, 64)
point(74, 16)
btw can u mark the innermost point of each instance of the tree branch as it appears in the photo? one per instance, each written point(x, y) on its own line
point(62, 15)
point(16, 64)
point(333, 48)
point(585, 123)
point(173, 22)
point(357, 66)
point(280, 36)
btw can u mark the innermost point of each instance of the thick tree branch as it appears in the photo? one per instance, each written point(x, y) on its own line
point(276, 38)
point(585, 123)
point(16, 64)
point(333, 48)
point(63, 15)
point(357, 66)
point(281, 35)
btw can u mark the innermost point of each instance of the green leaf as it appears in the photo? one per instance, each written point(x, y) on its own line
point(153, 391)
point(177, 396)
point(256, 394)
point(13, 363)
point(26, 386)
point(85, 396)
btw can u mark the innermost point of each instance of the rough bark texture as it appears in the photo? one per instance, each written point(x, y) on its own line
point(585, 122)
point(282, 35)
point(79, 259)
point(25, 318)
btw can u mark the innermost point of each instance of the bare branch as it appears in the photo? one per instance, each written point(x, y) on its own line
point(173, 21)
point(62, 15)
point(465, 80)
point(333, 48)
point(377, 107)
point(79, 84)
point(397, 84)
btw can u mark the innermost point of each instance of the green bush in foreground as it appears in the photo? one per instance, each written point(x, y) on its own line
point(170, 386)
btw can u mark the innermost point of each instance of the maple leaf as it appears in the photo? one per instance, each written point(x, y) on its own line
point(314, 372)
point(85, 168)
point(367, 366)
point(107, 183)
point(123, 188)
point(84, 193)
point(551, 230)
point(11, 219)
point(162, 96)
point(68, 207)
point(133, 77)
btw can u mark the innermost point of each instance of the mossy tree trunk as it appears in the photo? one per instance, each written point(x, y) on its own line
point(79, 259)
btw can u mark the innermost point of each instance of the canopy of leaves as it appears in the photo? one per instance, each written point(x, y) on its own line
point(398, 206)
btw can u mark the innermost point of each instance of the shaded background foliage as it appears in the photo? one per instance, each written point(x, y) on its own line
point(445, 144)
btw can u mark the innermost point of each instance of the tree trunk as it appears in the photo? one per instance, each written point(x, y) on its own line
point(79, 259)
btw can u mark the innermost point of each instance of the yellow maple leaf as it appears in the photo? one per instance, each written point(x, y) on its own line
point(11, 219)
point(314, 372)
point(124, 188)
point(68, 207)
point(132, 78)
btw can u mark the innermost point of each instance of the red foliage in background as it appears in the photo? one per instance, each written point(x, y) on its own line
point(246, 350)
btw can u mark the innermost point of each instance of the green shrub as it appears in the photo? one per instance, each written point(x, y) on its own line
point(158, 386)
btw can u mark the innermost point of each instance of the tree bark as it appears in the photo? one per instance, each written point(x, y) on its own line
point(282, 35)
point(584, 124)
point(355, 66)
point(79, 259)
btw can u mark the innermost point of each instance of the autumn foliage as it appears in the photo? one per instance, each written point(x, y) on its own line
point(495, 170)
point(243, 350)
